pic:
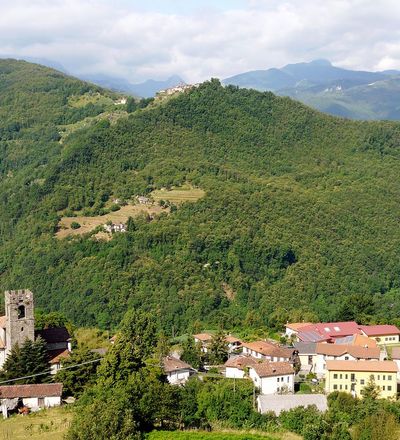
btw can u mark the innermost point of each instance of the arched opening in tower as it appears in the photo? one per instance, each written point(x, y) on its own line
point(21, 312)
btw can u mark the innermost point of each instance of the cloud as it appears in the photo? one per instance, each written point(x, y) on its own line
point(198, 40)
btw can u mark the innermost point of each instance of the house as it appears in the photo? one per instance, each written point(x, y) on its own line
point(307, 353)
point(395, 356)
point(292, 328)
point(273, 377)
point(35, 396)
point(326, 352)
point(236, 366)
point(382, 334)
point(357, 339)
point(144, 200)
point(233, 343)
point(115, 227)
point(284, 402)
point(55, 359)
point(205, 339)
point(269, 351)
point(177, 371)
point(353, 376)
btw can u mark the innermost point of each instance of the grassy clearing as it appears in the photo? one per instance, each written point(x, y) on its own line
point(50, 424)
point(112, 116)
point(91, 337)
point(182, 194)
point(90, 223)
point(89, 98)
point(220, 435)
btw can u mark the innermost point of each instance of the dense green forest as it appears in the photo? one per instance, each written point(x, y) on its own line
point(300, 218)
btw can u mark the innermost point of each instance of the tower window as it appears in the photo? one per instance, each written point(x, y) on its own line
point(21, 312)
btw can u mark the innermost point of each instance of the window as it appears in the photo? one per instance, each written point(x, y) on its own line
point(384, 377)
point(362, 381)
point(341, 376)
point(345, 387)
point(383, 387)
point(389, 387)
point(335, 376)
point(346, 358)
point(347, 376)
point(335, 387)
point(389, 377)
point(41, 402)
point(287, 379)
point(337, 329)
point(21, 312)
point(340, 387)
point(379, 376)
point(327, 329)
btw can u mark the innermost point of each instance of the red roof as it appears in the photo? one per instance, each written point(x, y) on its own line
point(55, 356)
point(34, 390)
point(380, 330)
point(332, 329)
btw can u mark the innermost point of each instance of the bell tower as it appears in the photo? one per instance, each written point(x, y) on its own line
point(19, 314)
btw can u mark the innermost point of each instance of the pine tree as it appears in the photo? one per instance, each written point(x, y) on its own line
point(218, 349)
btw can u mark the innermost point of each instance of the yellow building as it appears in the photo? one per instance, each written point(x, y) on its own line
point(353, 376)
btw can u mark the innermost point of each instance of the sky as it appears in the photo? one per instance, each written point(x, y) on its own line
point(198, 39)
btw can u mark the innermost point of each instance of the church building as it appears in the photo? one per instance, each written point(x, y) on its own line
point(18, 325)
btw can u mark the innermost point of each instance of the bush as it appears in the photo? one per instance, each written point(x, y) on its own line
point(75, 225)
point(115, 207)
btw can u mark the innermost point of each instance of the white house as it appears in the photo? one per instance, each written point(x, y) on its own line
point(177, 371)
point(35, 396)
point(338, 352)
point(269, 351)
point(236, 366)
point(273, 377)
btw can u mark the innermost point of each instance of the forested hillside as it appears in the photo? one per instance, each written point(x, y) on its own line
point(300, 216)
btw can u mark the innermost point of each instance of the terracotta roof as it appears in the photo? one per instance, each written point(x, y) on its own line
point(268, 349)
point(380, 330)
point(54, 335)
point(396, 353)
point(34, 390)
point(352, 350)
point(373, 366)
point(55, 356)
point(3, 321)
point(171, 363)
point(360, 340)
point(232, 339)
point(241, 361)
point(270, 369)
point(297, 325)
point(203, 337)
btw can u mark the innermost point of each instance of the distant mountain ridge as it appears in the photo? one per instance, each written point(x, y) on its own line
point(331, 89)
point(145, 89)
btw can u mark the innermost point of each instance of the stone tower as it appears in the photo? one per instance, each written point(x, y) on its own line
point(19, 314)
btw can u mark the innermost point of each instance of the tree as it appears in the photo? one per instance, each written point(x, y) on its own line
point(77, 379)
point(163, 347)
point(131, 105)
point(378, 426)
point(192, 353)
point(371, 390)
point(27, 360)
point(134, 343)
point(218, 348)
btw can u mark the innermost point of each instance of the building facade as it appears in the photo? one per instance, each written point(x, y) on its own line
point(353, 376)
